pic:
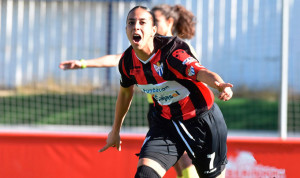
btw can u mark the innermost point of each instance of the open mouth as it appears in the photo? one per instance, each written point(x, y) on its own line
point(136, 38)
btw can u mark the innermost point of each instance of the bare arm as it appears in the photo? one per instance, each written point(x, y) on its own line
point(104, 61)
point(214, 80)
point(122, 106)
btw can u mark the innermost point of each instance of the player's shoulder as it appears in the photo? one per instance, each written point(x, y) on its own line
point(184, 47)
point(125, 58)
point(180, 44)
point(170, 42)
point(127, 54)
point(163, 39)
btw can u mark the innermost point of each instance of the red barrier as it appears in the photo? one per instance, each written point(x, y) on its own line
point(263, 157)
point(61, 156)
point(31, 155)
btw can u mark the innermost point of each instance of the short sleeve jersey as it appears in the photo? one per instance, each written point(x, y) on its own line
point(170, 77)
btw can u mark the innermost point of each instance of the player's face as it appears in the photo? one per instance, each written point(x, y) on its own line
point(163, 24)
point(140, 29)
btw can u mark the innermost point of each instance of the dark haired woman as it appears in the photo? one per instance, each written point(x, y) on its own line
point(186, 117)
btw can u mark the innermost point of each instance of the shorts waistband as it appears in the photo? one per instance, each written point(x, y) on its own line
point(202, 114)
point(206, 112)
point(199, 115)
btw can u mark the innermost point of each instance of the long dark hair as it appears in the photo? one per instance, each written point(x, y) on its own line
point(184, 21)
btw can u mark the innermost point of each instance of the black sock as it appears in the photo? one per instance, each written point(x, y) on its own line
point(146, 172)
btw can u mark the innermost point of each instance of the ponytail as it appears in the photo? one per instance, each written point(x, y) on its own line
point(185, 24)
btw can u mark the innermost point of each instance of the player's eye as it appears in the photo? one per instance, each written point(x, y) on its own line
point(130, 22)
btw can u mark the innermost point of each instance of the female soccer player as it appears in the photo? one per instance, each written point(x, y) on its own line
point(171, 20)
point(186, 117)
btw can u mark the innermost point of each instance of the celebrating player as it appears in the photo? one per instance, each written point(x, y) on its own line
point(186, 117)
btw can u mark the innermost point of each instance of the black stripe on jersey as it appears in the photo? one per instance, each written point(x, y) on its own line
point(176, 112)
point(148, 73)
point(177, 65)
point(195, 95)
point(128, 63)
point(158, 108)
point(168, 75)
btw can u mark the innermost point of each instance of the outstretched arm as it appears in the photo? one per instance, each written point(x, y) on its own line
point(214, 80)
point(104, 61)
point(122, 106)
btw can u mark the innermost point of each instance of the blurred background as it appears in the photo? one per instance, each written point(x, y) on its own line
point(242, 40)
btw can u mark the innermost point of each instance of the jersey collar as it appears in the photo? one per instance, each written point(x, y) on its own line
point(145, 62)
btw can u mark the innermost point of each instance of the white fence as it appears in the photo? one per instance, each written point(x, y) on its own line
point(239, 39)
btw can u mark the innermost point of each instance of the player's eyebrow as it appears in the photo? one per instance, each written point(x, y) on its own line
point(137, 19)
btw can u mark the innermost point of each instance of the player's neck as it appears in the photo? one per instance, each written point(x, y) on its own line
point(145, 53)
point(169, 33)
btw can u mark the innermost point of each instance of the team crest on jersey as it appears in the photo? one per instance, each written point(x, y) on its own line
point(191, 71)
point(158, 68)
point(188, 60)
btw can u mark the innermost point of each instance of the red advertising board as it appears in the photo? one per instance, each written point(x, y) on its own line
point(32, 155)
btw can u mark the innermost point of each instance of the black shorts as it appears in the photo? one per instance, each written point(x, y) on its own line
point(203, 138)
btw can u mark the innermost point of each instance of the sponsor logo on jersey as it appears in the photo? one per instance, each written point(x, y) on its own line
point(189, 60)
point(166, 98)
point(155, 90)
point(159, 68)
point(191, 71)
point(165, 93)
point(136, 70)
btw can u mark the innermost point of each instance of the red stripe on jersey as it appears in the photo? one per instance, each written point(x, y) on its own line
point(206, 93)
point(155, 61)
point(187, 108)
point(156, 57)
point(192, 65)
point(137, 70)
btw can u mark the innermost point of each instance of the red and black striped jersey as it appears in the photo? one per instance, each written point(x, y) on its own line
point(169, 75)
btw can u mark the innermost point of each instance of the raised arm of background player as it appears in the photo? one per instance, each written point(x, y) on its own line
point(104, 61)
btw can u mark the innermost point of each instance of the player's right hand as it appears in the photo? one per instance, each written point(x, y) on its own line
point(225, 91)
point(72, 64)
point(113, 140)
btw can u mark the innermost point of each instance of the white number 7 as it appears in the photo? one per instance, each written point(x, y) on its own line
point(211, 162)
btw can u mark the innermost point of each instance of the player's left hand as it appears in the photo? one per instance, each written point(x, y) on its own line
point(113, 140)
point(72, 64)
point(225, 91)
